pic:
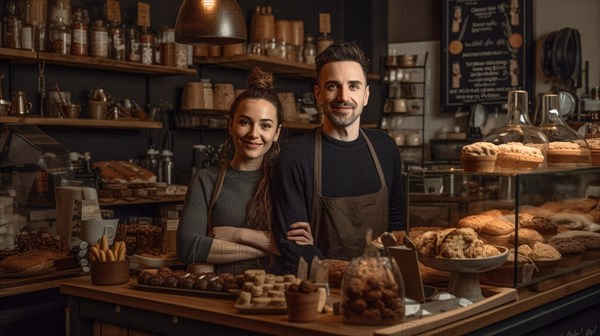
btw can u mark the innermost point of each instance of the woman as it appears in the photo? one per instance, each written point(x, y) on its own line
point(226, 220)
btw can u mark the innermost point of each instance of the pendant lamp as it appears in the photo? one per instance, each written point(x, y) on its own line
point(214, 22)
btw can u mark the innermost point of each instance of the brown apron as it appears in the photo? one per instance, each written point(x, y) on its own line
point(340, 224)
point(240, 266)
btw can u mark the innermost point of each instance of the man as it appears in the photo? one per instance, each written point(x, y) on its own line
point(339, 180)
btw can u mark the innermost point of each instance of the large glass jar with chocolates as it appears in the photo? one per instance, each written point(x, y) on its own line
point(372, 290)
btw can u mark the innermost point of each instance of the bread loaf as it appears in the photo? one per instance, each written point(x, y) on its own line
point(30, 261)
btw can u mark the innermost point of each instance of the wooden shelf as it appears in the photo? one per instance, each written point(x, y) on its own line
point(142, 200)
point(279, 66)
point(26, 56)
point(89, 123)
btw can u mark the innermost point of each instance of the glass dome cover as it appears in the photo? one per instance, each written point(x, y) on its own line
point(518, 131)
point(566, 147)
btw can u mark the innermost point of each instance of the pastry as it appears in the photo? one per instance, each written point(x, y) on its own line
point(30, 261)
point(514, 157)
point(595, 150)
point(564, 152)
point(479, 157)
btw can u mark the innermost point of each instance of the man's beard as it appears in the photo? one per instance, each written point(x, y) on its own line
point(343, 121)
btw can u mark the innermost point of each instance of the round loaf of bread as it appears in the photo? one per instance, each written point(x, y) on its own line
point(526, 236)
point(475, 222)
point(492, 213)
point(501, 240)
point(497, 227)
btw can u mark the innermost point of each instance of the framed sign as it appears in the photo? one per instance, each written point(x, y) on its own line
point(487, 50)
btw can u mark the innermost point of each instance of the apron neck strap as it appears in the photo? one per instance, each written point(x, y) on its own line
point(215, 193)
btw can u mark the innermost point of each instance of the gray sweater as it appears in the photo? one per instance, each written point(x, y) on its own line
point(193, 246)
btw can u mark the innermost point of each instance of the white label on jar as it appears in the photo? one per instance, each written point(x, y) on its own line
point(147, 54)
point(100, 41)
point(27, 38)
point(79, 36)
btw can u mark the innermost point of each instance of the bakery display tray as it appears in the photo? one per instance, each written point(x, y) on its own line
point(180, 291)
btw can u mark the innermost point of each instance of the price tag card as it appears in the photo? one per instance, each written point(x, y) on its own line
point(143, 17)
point(324, 23)
point(113, 11)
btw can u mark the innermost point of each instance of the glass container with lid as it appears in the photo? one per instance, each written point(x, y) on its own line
point(516, 135)
point(372, 289)
point(565, 146)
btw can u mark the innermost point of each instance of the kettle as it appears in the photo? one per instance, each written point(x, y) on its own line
point(19, 104)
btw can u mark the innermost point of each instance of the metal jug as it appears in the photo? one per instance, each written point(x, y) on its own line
point(19, 104)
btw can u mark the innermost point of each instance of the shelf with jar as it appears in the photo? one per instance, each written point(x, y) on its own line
point(80, 122)
point(281, 66)
point(403, 115)
point(17, 56)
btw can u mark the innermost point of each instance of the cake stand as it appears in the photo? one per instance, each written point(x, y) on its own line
point(464, 273)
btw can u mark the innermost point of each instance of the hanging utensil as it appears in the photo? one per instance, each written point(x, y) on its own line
point(62, 100)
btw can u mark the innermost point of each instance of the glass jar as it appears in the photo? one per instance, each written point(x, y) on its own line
point(116, 36)
point(518, 130)
point(132, 45)
point(310, 49)
point(27, 30)
point(79, 31)
point(99, 40)
point(565, 146)
point(324, 41)
point(60, 10)
point(147, 40)
point(36, 16)
point(60, 37)
point(11, 27)
point(372, 290)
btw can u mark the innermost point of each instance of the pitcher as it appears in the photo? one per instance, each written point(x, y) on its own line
point(19, 104)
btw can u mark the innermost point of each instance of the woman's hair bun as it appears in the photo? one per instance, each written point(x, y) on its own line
point(260, 79)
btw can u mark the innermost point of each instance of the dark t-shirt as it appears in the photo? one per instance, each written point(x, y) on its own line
point(347, 170)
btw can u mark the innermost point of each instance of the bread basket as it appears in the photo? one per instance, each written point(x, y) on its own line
point(106, 273)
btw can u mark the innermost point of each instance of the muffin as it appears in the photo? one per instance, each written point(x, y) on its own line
point(567, 153)
point(514, 157)
point(479, 157)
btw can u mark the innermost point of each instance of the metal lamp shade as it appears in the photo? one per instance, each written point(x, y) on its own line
point(213, 22)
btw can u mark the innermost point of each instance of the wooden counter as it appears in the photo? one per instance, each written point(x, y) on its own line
point(164, 313)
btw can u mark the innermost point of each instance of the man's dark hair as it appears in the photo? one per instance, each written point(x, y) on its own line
point(342, 51)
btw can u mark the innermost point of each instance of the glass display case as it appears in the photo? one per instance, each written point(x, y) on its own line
point(540, 213)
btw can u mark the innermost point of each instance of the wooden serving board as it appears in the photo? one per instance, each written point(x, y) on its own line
point(494, 296)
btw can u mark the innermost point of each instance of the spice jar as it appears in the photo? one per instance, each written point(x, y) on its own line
point(27, 31)
point(60, 37)
point(12, 26)
point(99, 37)
point(79, 31)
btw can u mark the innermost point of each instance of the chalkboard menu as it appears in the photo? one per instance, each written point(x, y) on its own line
point(487, 50)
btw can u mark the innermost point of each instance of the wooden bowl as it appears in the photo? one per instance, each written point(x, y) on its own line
point(106, 273)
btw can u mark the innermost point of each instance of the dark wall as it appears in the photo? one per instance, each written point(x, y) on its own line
point(349, 21)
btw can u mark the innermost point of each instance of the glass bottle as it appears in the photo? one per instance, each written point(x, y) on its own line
point(518, 128)
point(310, 49)
point(79, 33)
point(166, 167)
point(11, 26)
point(99, 40)
point(566, 147)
